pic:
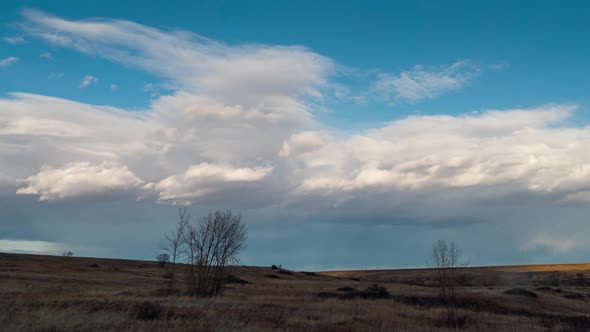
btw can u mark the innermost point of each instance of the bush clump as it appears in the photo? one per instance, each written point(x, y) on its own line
point(147, 311)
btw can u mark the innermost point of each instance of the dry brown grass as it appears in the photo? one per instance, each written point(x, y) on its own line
point(44, 293)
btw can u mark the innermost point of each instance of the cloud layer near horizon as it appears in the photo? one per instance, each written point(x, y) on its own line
point(240, 129)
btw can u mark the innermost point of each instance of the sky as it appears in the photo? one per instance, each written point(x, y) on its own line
point(348, 135)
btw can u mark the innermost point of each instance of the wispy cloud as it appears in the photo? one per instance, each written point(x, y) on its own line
point(425, 83)
point(55, 75)
point(279, 78)
point(87, 81)
point(46, 55)
point(114, 87)
point(15, 40)
point(28, 246)
point(551, 243)
point(8, 61)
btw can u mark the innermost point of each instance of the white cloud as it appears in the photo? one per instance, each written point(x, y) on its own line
point(551, 243)
point(46, 55)
point(33, 247)
point(155, 144)
point(268, 79)
point(205, 171)
point(79, 179)
point(87, 81)
point(518, 150)
point(233, 110)
point(203, 179)
point(15, 40)
point(423, 83)
point(114, 87)
point(8, 61)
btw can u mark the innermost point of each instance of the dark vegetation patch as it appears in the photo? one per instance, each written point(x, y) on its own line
point(166, 292)
point(565, 294)
point(274, 267)
point(147, 311)
point(346, 289)
point(94, 265)
point(372, 292)
point(310, 274)
point(478, 304)
point(521, 292)
point(231, 279)
point(273, 276)
point(285, 272)
point(576, 296)
point(452, 319)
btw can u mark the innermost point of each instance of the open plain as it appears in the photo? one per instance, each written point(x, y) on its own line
point(49, 293)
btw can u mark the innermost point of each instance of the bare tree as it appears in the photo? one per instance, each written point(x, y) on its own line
point(67, 253)
point(189, 237)
point(446, 258)
point(212, 245)
point(174, 241)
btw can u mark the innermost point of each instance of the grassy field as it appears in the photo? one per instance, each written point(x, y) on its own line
point(47, 293)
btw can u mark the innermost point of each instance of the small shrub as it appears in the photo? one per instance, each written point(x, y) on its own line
point(376, 292)
point(94, 265)
point(147, 311)
point(285, 272)
point(273, 276)
point(274, 267)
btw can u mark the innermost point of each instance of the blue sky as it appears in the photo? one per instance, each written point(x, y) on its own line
point(343, 132)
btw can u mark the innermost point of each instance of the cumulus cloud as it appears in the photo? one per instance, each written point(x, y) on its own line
point(423, 83)
point(154, 145)
point(244, 104)
point(88, 80)
point(235, 126)
point(79, 179)
point(203, 179)
point(518, 150)
point(8, 61)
